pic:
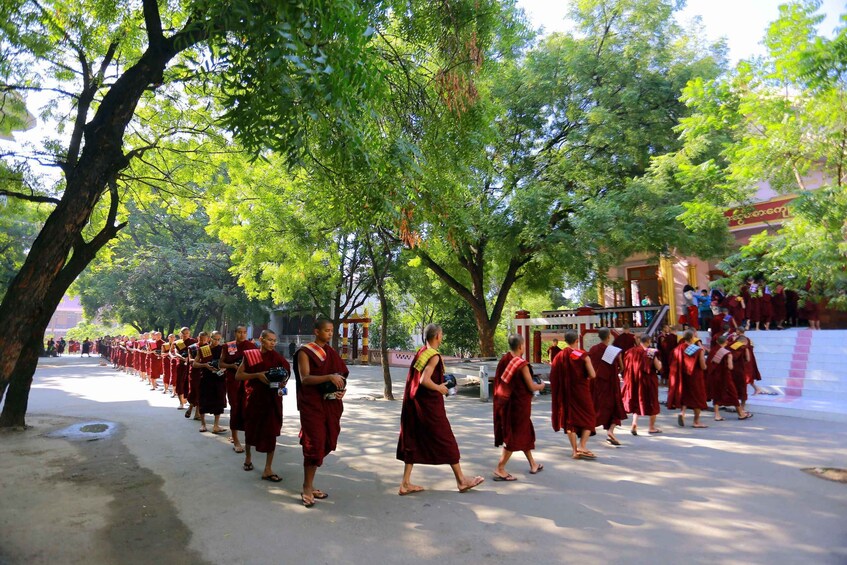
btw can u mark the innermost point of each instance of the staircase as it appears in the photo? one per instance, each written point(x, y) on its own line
point(808, 370)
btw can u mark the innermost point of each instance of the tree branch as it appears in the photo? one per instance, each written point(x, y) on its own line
point(153, 23)
point(30, 197)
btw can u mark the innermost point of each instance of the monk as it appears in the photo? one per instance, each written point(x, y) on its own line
point(513, 388)
point(156, 367)
point(553, 350)
point(687, 387)
point(573, 406)
point(321, 384)
point(212, 385)
point(722, 384)
point(744, 355)
point(263, 402)
point(778, 303)
point(182, 344)
point(425, 433)
point(231, 357)
point(606, 389)
point(193, 377)
point(625, 340)
point(667, 342)
point(167, 365)
point(641, 385)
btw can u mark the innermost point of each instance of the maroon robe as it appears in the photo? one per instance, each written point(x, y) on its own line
point(570, 387)
point(320, 418)
point(766, 306)
point(779, 308)
point(212, 385)
point(553, 351)
point(606, 388)
point(739, 372)
point(641, 385)
point(425, 434)
point(193, 377)
point(722, 387)
point(167, 363)
point(513, 406)
point(667, 342)
point(182, 369)
point(262, 404)
point(232, 353)
point(156, 359)
point(625, 341)
point(687, 384)
point(735, 307)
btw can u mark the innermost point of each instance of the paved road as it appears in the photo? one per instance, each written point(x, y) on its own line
point(159, 491)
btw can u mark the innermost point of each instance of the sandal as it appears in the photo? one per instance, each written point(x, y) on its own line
point(537, 469)
point(319, 494)
point(306, 502)
point(248, 466)
point(612, 441)
point(238, 449)
point(507, 478)
point(680, 421)
point(272, 478)
point(475, 482)
point(412, 490)
point(747, 416)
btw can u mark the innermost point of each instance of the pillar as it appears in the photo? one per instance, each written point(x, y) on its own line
point(523, 330)
point(345, 353)
point(365, 358)
point(536, 346)
point(668, 291)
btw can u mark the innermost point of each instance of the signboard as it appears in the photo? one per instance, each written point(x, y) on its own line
point(772, 211)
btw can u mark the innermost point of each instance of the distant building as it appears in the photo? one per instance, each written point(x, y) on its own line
point(67, 315)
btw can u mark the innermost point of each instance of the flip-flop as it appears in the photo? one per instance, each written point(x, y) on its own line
point(699, 426)
point(221, 431)
point(247, 466)
point(633, 431)
point(306, 503)
point(587, 455)
point(719, 419)
point(402, 492)
point(319, 494)
point(747, 416)
point(654, 432)
point(238, 449)
point(475, 482)
point(680, 421)
point(272, 478)
point(537, 469)
point(507, 478)
point(202, 430)
point(612, 441)
point(187, 414)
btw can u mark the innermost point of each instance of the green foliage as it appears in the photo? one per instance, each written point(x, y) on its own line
point(399, 336)
point(93, 330)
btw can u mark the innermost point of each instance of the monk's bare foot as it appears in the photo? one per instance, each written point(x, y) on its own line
point(307, 499)
point(409, 489)
point(468, 485)
point(203, 429)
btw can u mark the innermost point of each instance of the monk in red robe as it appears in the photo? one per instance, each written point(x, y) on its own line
point(687, 387)
point(746, 367)
point(667, 342)
point(156, 367)
point(606, 387)
point(425, 433)
point(722, 383)
point(167, 365)
point(321, 384)
point(625, 340)
point(182, 344)
point(641, 384)
point(778, 303)
point(513, 389)
point(212, 383)
point(573, 405)
point(263, 402)
point(231, 357)
point(553, 350)
point(194, 374)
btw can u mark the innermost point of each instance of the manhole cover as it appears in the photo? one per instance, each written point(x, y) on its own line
point(86, 431)
point(828, 473)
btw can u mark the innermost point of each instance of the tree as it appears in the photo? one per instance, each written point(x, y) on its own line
point(781, 118)
point(279, 69)
point(541, 165)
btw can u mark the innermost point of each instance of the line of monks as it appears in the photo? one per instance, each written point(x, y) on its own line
point(586, 391)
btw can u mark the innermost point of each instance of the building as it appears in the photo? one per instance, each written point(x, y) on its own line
point(67, 315)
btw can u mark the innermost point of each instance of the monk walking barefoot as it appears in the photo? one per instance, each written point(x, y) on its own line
point(425, 434)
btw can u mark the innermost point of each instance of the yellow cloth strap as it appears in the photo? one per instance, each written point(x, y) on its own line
point(205, 351)
point(424, 358)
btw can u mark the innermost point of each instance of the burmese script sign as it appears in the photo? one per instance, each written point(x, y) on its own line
point(764, 212)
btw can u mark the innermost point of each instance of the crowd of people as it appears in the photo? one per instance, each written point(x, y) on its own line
point(757, 305)
point(56, 347)
point(600, 387)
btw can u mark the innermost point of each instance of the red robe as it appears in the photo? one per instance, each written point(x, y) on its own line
point(687, 383)
point(320, 419)
point(262, 404)
point(641, 385)
point(167, 363)
point(193, 378)
point(182, 369)
point(212, 385)
point(512, 405)
point(779, 310)
point(667, 343)
point(570, 387)
point(233, 352)
point(625, 341)
point(740, 368)
point(425, 433)
point(606, 388)
point(156, 359)
point(553, 351)
point(722, 387)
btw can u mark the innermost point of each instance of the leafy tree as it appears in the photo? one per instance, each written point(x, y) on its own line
point(93, 330)
point(279, 69)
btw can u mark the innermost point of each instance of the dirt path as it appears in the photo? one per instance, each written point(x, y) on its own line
point(83, 500)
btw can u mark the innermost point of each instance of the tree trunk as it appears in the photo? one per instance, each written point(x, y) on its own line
point(387, 391)
point(486, 330)
point(201, 323)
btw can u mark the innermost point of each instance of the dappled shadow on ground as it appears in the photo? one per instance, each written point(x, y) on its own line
point(732, 491)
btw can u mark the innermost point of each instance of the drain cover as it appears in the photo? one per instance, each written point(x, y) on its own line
point(87, 431)
point(828, 473)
